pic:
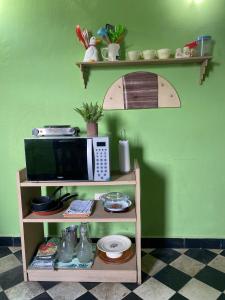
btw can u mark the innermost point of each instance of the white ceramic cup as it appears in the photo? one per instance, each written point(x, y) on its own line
point(164, 53)
point(149, 54)
point(133, 55)
point(111, 52)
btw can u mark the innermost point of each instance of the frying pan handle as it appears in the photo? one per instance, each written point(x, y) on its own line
point(56, 191)
point(62, 197)
point(67, 197)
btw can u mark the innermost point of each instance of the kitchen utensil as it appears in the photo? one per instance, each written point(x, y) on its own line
point(164, 53)
point(84, 248)
point(80, 36)
point(126, 256)
point(45, 203)
point(114, 245)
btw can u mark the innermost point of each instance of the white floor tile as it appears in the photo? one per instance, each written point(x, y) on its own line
point(197, 290)
point(152, 289)
point(66, 291)
point(187, 265)
point(217, 251)
point(218, 263)
point(110, 291)
point(24, 291)
point(8, 262)
point(151, 265)
point(181, 250)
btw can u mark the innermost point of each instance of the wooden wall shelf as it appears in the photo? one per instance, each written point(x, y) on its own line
point(86, 66)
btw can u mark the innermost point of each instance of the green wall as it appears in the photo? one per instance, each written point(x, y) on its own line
point(181, 151)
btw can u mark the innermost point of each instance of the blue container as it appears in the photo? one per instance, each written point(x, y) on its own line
point(204, 47)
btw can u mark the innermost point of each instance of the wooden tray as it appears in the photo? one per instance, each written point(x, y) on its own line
point(127, 255)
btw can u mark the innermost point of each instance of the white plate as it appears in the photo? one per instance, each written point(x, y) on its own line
point(114, 245)
point(119, 206)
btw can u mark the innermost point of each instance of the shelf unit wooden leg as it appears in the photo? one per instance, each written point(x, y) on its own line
point(203, 70)
point(138, 223)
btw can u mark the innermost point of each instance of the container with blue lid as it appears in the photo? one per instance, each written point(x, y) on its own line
point(204, 47)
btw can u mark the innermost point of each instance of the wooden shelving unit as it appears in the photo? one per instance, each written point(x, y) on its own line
point(32, 231)
point(202, 61)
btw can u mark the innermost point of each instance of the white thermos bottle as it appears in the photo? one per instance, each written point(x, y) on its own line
point(124, 154)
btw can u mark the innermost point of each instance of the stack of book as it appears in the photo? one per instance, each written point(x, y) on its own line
point(79, 209)
point(46, 254)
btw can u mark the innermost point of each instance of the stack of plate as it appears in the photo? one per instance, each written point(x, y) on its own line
point(115, 249)
point(116, 202)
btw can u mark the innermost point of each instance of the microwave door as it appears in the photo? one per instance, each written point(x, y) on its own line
point(89, 159)
point(71, 159)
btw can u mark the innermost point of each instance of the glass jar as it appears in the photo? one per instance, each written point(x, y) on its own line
point(204, 45)
point(84, 247)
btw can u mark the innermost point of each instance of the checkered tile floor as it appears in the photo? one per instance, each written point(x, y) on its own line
point(196, 274)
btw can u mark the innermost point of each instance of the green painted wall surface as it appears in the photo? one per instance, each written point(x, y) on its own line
point(181, 151)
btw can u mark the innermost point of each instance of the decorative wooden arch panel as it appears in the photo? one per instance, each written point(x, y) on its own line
point(138, 90)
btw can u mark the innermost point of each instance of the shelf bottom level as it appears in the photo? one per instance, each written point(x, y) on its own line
point(100, 272)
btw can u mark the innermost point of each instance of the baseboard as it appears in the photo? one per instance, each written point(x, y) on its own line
point(149, 242)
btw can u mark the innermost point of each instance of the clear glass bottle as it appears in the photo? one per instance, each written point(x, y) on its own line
point(84, 247)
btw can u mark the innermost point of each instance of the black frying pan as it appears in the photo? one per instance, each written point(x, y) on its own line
point(46, 203)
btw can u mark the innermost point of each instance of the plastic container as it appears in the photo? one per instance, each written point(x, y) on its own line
point(204, 47)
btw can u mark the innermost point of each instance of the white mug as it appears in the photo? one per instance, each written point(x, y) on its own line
point(149, 54)
point(164, 53)
point(133, 55)
point(111, 52)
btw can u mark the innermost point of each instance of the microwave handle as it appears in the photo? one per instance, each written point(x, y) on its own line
point(89, 160)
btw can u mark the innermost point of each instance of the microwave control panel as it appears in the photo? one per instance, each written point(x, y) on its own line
point(101, 154)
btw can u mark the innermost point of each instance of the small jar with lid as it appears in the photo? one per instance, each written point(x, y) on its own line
point(204, 45)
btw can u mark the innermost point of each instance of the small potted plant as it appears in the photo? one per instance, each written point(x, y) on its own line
point(91, 113)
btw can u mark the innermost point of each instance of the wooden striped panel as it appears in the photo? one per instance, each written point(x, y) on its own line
point(140, 90)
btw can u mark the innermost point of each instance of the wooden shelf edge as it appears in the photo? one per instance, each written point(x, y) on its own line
point(198, 59)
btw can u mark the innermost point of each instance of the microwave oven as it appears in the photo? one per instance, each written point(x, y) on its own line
point(67, 158)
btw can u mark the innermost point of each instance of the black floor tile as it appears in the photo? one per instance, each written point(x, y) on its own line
point(178, 296)
point(221, 297)
point(202, 255)
point(4, 251)
point(131, 286)
point(144, 277)
point(172, 277)
point(89, 285)
point(3, 296)
point(12, 277)
point(165, 254)
point(87, 296)
point(222, 253)
point(43, 296)
point(48, 284)
point(212, 277)
point(18, 254)
point(132, 296)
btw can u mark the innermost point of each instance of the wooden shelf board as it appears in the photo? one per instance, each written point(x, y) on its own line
point(144, 62)
point(100, 271)
point(99, 215)
point(116, 179)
